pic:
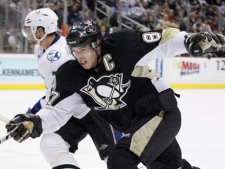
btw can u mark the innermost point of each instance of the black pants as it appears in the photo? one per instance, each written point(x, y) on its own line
point(170, 158)
point(147, 139)
point(100, 131)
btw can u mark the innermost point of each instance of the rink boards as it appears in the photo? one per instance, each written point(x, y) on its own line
point(20, 72)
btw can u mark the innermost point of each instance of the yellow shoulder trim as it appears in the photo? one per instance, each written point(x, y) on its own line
point(168, 33)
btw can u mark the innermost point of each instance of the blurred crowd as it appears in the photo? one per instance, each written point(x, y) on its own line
point(187, 15)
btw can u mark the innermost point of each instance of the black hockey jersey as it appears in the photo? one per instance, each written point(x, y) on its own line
point(123, 75)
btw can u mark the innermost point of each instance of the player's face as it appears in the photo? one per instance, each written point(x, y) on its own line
point(86, 56)
point(27, 33)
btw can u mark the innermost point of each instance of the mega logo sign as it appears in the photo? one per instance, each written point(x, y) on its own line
point(187, 68)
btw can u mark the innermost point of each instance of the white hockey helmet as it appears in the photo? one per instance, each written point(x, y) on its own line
point(43, 17)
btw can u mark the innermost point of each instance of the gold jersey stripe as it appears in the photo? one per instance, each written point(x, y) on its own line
point(22, 86)
point(197, 86)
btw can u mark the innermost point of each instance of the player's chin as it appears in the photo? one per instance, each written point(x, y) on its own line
point(86, 66)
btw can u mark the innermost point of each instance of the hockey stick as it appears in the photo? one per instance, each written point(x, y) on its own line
point(5, 120)
point(3, 139)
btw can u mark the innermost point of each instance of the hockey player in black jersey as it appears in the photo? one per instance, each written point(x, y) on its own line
point(113, 78)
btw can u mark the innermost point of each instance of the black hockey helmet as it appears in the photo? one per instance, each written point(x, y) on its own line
point(82, 33)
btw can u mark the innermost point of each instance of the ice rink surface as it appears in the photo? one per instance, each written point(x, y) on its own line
point(202, 135)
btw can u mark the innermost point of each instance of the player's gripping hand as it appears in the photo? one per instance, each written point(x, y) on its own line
point(23, 126)
point(203, 42)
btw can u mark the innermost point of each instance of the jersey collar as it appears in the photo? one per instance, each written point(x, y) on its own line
point(56, 39)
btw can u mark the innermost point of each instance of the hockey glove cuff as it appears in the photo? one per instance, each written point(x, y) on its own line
point(23, 126)
point(200, 43)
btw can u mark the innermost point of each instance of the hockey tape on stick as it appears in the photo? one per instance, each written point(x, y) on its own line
point(3, 139)
point(4, 119)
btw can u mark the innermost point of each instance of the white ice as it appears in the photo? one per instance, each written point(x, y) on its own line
point(202, 135)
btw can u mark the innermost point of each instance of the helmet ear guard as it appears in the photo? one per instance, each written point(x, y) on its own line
point(95, 44)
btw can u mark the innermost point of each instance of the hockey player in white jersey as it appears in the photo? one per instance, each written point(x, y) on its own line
point(51, 51)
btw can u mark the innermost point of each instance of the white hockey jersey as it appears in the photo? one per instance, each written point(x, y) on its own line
point(48, 63)
point(51, 59)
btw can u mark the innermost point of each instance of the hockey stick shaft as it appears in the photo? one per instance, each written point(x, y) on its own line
point(5, 120)
point(3, 139)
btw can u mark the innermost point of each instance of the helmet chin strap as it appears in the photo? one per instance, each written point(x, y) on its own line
point(39, 40)
point(94, 47)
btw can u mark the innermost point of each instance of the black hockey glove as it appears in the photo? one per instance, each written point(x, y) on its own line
point(203, 42)
point(23, 126)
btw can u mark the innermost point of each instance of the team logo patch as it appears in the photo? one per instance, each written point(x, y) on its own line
point(54, 55)
point(150, 37)
point(107, 91)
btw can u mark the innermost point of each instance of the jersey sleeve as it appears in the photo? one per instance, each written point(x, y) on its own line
point(142, 47)
point(171, 44)
point(55, 116)
point(62, 101)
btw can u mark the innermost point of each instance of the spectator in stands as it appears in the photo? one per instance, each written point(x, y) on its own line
point(10, 43)
point(91, 5)
point(131, 2)
point(173, 4)
point(210, 13)
point(174, 23)
point(202, 2)
point(53, 7)
point(60, 10)
point(182, 20)
point(40, 4)
point(110, 3)
point(145, 4)
point(166, 10)
point(206, 26)
point(114, 13)
point(193, 18)
point(137, 11)
point(87, 16)
point(148, 20)
point(194, 3)
point(124, 7)
point(178, 9)
point(223, 20)
point(79, 5)
point(222, 30)
point(70, 4)
point(213, 2)
point(144, 20)
point(55, 2)
point(200, 14)
point(151, 23)
point(222, 7)
point(100, 22)
point(73, 15)
point(104, 32)
point(199, 25)
point(164, 22)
